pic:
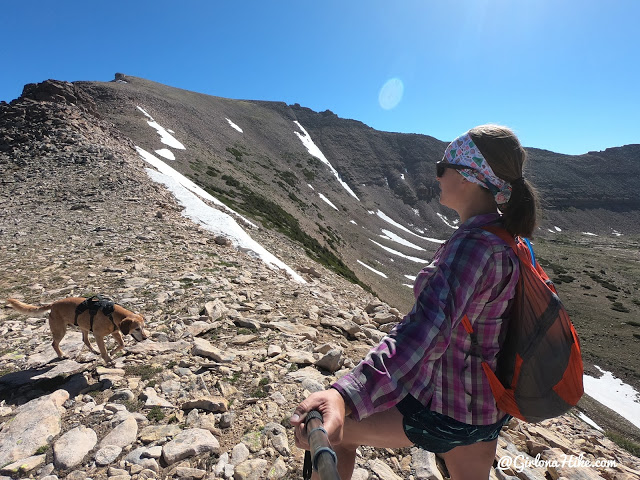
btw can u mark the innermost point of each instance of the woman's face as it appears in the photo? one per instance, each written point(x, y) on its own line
point(450, 188)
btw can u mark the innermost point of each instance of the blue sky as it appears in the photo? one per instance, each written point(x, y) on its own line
point(564, 74)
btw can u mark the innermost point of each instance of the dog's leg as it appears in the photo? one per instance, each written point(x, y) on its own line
point(58, 329)
point(103, 349)
point(118, 336)
point(87, 341)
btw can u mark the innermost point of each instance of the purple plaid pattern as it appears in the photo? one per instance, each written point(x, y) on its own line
point(427, 354)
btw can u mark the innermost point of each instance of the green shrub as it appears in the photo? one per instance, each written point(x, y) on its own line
point(619, 307)
point(155, 414)
point(236, 153)
point(629, 445)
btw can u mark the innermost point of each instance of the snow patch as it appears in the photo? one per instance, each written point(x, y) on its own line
point(447, 222)
point(210, 218)
point(587, 420)
point(145, 113)
point(326, 200)
point(165, 135)
point(233, 125)
point(305, 138)
point(188, 184)
point(166, 153)
point(387, 219)
point(372, 269)
point(396, 238)
point(400, 254)
point(613, 393)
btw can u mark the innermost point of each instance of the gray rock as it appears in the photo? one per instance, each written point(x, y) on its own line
point(239, 454)
point(332, 361)
point(215, 404)
point(360, 474)
point(278, 469)
point(199, 327)
point(223, 460)
point(153, 433)
point(70, 449)
point(247, 323)
point(116, 472)
point(274, 350)
point(188, 444)
point(188, 472)
point(306, 373)
point(76, 475)
point(153, 452)
point(382, 470)
point(277, 436)
point(203, 348)
point(123, 435)
point(382, 318)
point(107, 455)
point(23, 466)
point(136, 457)
point(348, 326)
point(135, 282)
point(151, 399)
point(294, 329)
point(35, 424)
point(301, 357)
point(251, 469)
point(424, 464)
point(226, 420)
point(149, 347)
point(215, 310)
point(123, 394)
point(253, 441)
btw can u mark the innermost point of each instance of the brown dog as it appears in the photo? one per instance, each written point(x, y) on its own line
point(63, 313)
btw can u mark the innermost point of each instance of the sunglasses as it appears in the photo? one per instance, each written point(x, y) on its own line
point(440, 167)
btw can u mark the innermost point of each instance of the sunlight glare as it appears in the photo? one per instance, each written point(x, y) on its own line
point(391, 93)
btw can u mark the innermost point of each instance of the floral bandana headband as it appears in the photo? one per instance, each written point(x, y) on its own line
point(462, 151)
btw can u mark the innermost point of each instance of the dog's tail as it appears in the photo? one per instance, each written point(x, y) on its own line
point(26, 308)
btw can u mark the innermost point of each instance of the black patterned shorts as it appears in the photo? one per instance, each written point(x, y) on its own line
point(439, 433)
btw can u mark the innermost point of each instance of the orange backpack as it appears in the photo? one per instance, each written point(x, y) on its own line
point(539, 371)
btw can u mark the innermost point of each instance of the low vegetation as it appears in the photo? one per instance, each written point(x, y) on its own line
point(273, 216)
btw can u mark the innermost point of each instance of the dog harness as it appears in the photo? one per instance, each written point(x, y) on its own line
point(96, 304)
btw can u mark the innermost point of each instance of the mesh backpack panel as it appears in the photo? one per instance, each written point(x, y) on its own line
point(539, 371)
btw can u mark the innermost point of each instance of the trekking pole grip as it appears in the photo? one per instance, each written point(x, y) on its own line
point(323, 458)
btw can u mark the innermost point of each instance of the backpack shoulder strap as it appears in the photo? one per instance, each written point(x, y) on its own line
point(511, 241)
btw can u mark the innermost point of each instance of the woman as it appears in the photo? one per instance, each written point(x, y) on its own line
point(423, 385)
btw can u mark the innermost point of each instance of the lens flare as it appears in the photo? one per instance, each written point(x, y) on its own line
point(391, 93)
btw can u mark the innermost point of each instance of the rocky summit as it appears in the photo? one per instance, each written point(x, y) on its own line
point(234, 345)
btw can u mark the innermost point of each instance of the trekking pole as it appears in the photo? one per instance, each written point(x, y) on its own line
point(321, 458)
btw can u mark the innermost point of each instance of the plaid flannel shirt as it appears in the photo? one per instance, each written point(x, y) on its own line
point(427, 354)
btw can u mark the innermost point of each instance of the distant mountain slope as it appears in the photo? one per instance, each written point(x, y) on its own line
point(362, 201)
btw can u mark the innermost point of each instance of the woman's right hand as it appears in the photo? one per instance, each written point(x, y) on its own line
point(332, 407)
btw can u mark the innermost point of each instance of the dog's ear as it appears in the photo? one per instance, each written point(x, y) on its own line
point(126, 325)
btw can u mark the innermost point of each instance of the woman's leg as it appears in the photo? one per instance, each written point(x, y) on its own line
point(471, 462)
point(382, 430)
